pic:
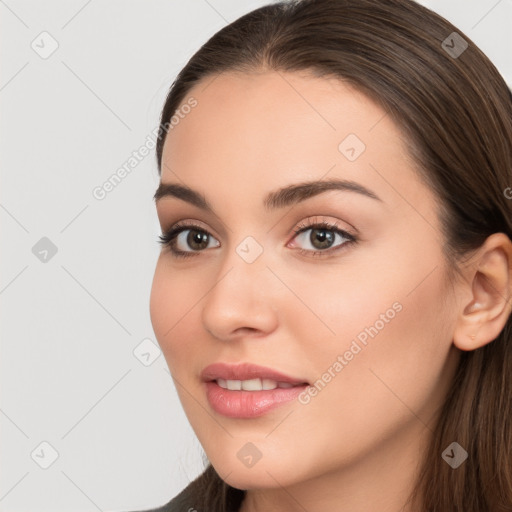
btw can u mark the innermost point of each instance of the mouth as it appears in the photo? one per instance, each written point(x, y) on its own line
point(248, 377)
point(247, 390)
point(254, 384)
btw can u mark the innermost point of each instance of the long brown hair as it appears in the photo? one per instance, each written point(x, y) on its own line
point(455, 110)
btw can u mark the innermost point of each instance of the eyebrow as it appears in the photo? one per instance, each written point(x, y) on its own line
point(280, 198)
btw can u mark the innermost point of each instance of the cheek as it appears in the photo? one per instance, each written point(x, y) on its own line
point(393, 369)
point(172, 300)
point(392, 317)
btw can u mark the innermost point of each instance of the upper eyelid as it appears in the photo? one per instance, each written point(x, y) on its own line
point(301, 227)
point(223, 228)
point(184, 225)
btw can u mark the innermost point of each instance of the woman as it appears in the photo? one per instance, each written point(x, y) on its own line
point(333, 294)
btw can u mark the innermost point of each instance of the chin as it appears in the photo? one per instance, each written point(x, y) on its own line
point(267, 473)
point(248, 479)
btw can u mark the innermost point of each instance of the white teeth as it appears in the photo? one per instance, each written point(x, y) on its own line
point(269, 384)
point(222, 383)
point(234, 385)
point(252, 384)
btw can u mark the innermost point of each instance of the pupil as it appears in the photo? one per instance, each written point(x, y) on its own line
point(197, 237)
point(322, 236)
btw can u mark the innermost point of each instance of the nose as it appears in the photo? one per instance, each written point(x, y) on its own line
point(240, 302)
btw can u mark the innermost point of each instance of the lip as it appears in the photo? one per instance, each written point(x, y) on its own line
point(246, 371)
point(248, 404)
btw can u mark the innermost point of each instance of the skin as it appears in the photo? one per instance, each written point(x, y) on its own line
point(357, 444)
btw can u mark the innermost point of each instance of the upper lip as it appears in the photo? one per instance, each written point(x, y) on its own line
point(245, 371)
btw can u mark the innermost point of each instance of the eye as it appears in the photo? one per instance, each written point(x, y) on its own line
point(183, 236)
point(185, 240)
point(322, 238)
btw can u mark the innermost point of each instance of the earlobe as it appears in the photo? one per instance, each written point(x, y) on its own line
point(489, 283)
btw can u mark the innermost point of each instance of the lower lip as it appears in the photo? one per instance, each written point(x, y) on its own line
point(249, 404)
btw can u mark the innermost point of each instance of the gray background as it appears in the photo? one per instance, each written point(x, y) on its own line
point(80, 368)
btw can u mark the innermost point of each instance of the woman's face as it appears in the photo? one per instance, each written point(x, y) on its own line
point(367, 321)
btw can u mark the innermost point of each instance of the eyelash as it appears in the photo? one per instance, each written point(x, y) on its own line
point(168, 238)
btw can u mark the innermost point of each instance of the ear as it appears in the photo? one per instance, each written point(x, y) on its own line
point(487, 293)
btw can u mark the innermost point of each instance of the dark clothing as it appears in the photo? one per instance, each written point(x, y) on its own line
point(186, 501)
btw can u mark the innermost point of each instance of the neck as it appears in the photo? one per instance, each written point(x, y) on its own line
point(382, 480)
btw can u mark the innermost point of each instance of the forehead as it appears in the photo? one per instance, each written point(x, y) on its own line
point(291, 106)
point(259, 131)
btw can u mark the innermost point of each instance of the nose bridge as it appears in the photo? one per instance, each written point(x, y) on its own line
point(240, 296)
point(244, 264)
